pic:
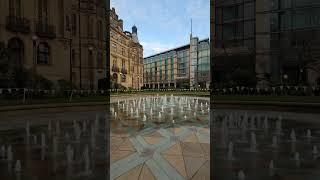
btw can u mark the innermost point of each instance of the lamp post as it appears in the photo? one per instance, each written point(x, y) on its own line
point(301, 72)
point(34, 68)
point(285, 77)
point(70, 62)
point(90, 48)
point(138, 82)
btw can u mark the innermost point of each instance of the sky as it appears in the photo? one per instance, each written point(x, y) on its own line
point(164, 24)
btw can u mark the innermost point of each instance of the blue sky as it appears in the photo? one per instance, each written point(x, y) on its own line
point(164, 24)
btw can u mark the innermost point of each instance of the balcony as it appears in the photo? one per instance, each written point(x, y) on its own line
point(45, 30)
point(17, 24)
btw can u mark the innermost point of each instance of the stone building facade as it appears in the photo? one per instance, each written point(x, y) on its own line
point(126, 54)
point(57, 39)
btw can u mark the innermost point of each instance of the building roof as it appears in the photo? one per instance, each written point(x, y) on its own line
point(176, 49)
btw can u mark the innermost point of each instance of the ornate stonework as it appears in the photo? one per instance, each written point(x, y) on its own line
point(126, 60)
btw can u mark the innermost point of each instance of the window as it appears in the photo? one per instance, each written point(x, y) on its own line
point(114, 47)
point(249, 10)
point(74, 24)
point(43, 53)
point(39, 9)
point(285, 4)
point(90, 27)
point(274, 22)
point(230, 13)
point(61, 17)
point(90, 59)
point(15, 8)
point(43, 11)
point(285, 21)
point(73, 58)
point(11, 7)
point(123, 64)
point(99, 30)
point(274, 4)
point(67, 23)
point(99, 60)
point(114, 61)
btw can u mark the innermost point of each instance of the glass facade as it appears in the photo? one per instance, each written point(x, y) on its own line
point(203, 68)
point(282, 38)
point(172, 68)
point(183, 63)
point(235, 24)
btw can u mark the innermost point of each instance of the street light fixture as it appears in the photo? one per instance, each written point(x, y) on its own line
point(300, 75)
point(285, 77)
point(34, 41)
point(34, 37)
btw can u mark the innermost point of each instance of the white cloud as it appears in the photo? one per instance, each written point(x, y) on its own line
point(150, 48)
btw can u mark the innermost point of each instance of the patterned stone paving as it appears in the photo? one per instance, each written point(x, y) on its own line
point(154, 155)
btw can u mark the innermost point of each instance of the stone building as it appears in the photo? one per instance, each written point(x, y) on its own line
point(57, 39)
point(126, 54)
point(187, 66)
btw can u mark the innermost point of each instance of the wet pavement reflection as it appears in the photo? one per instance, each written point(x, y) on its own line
point(65, 145)
point(265, 145)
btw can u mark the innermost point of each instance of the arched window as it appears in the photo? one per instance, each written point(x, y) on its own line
point(43, 53)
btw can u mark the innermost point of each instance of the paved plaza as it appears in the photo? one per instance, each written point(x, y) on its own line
point(171, 140)
point(165, 153)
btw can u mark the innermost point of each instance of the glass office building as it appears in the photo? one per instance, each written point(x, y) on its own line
point(274, 41)
point(187, 66)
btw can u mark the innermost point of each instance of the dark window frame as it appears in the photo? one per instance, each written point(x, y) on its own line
point(43, 53)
